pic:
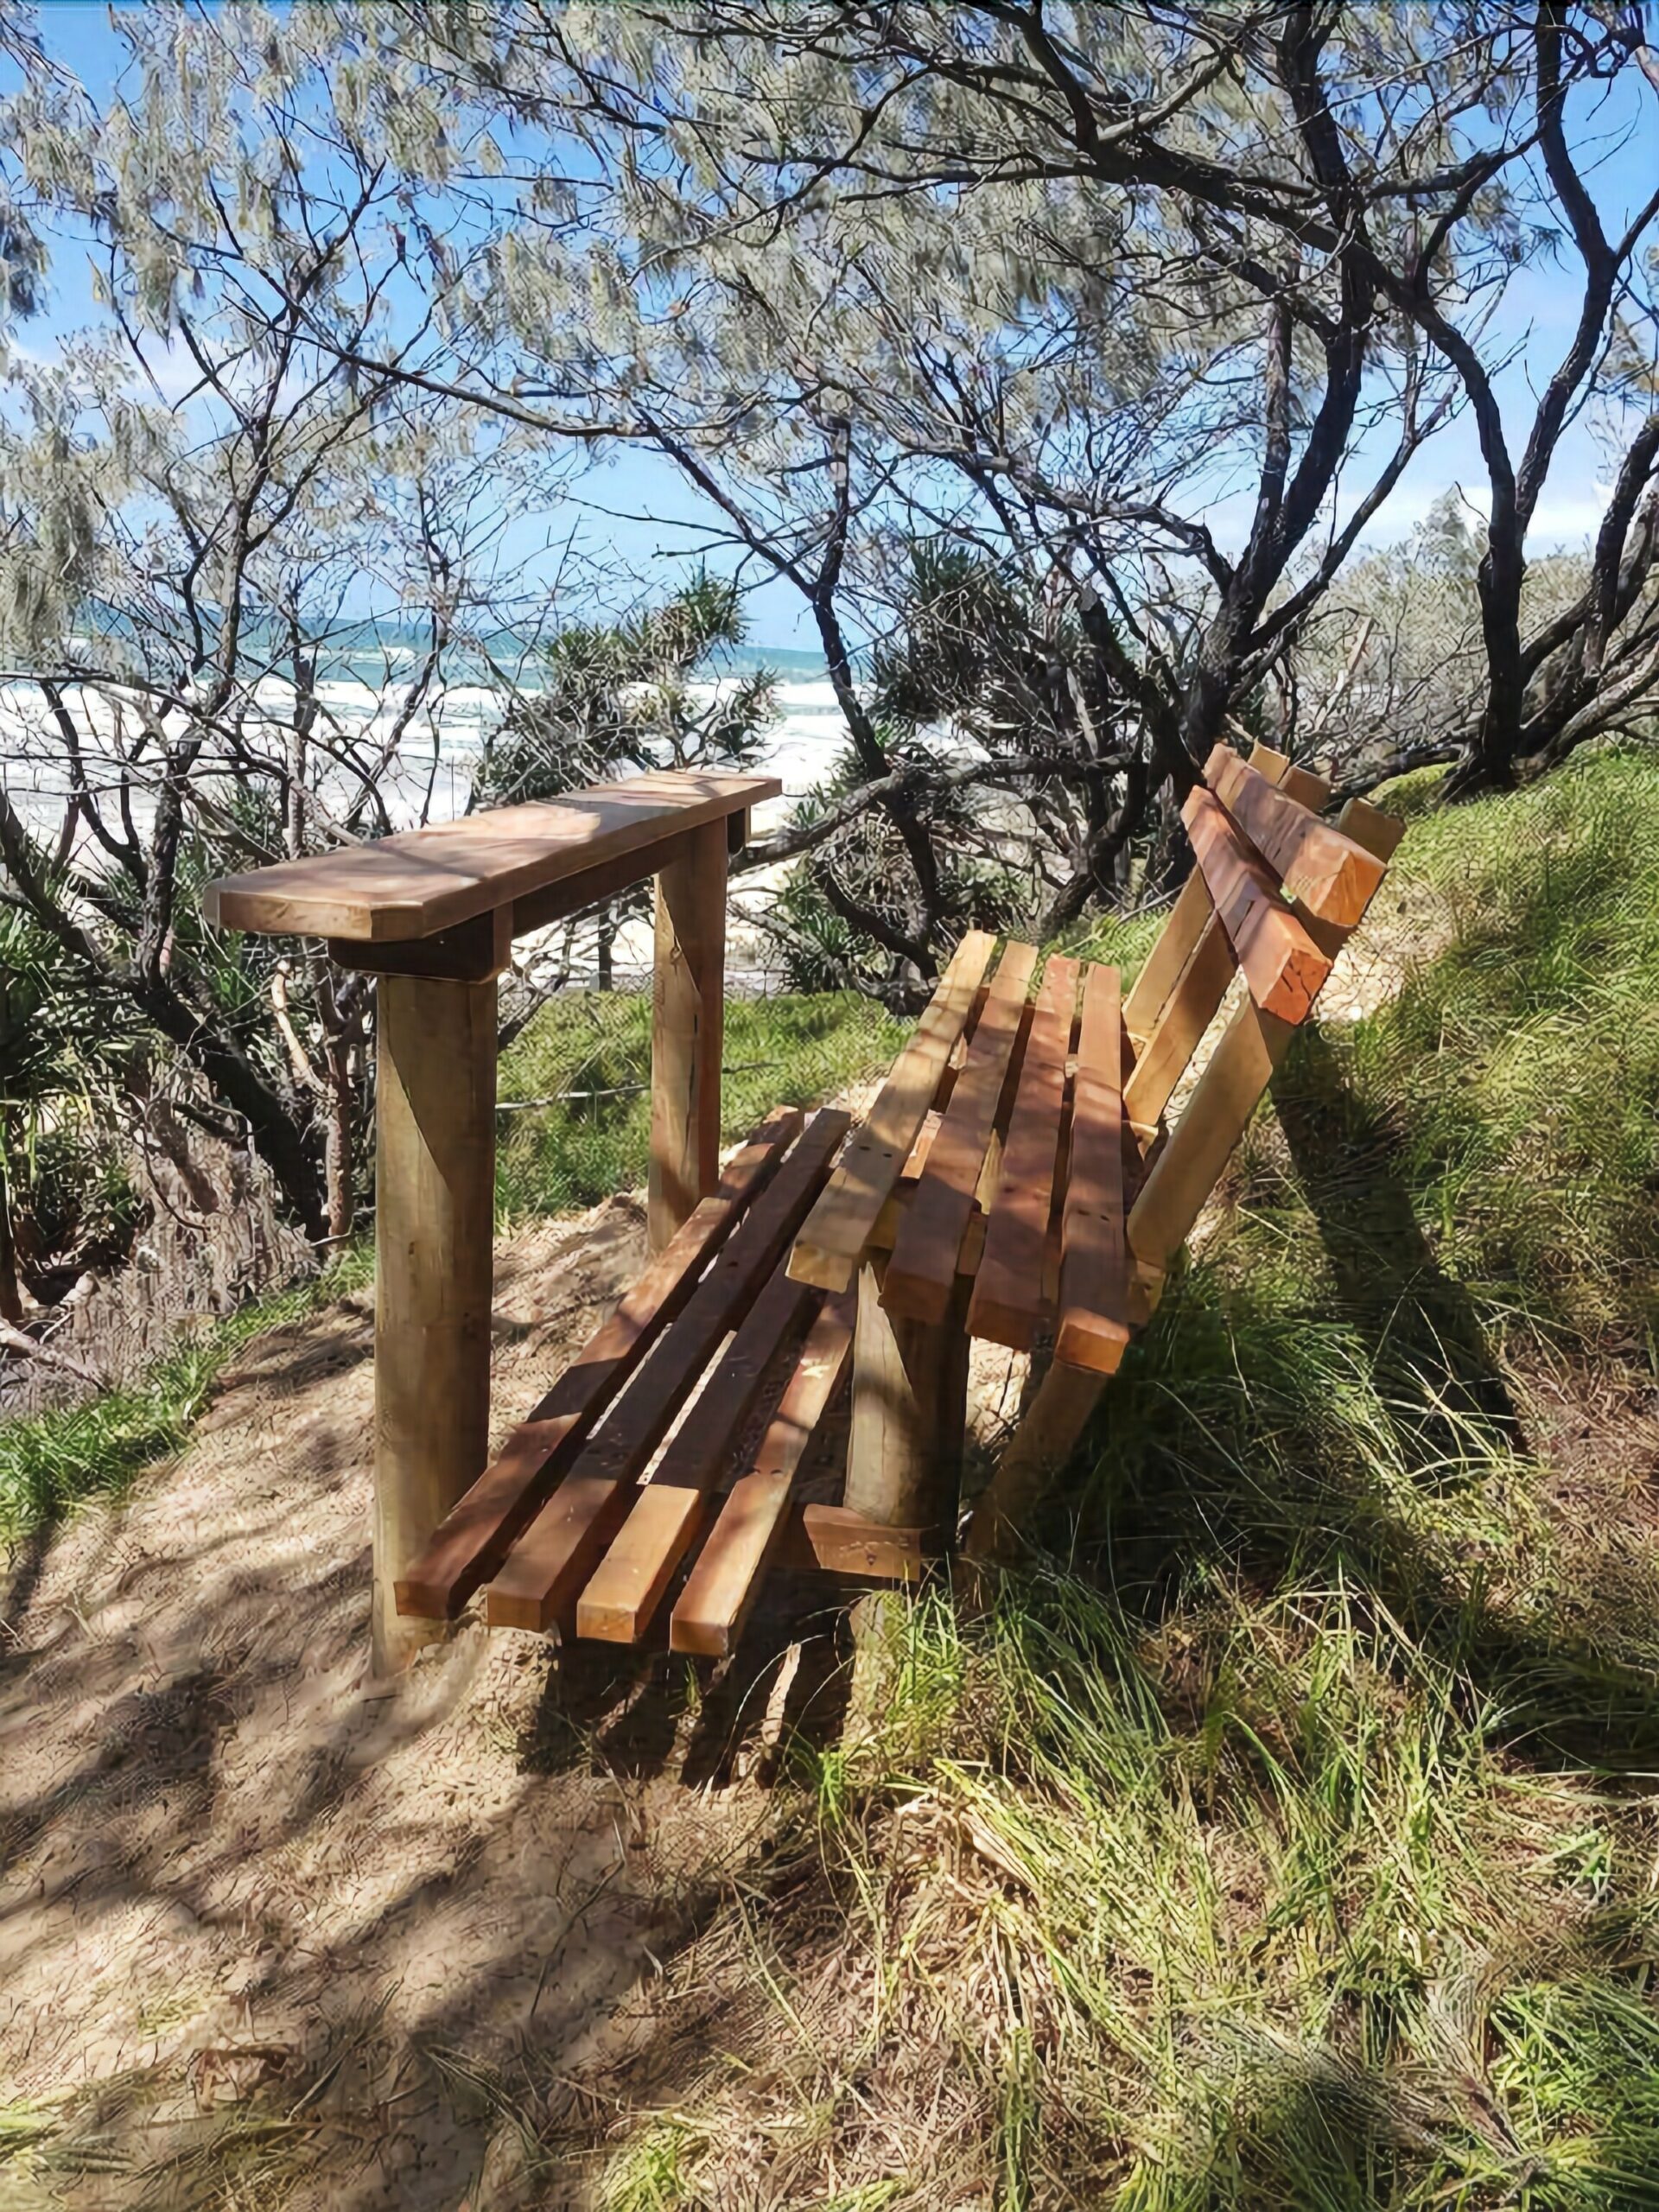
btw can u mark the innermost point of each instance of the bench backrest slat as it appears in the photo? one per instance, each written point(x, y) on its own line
point(1184, 977)
point(1237, 1075)
point(1331, 873)
point(1282, 965)
point(1283, 773)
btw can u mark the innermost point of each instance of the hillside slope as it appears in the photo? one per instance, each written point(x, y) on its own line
point(1280, 1838)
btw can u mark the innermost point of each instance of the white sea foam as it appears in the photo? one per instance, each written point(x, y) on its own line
point(429, 776)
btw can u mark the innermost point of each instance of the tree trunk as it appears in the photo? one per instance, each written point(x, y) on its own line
point(11, 1303)
point(337, 1141)
point(1489, 764)
point(287, 1149)
point(339, 1032)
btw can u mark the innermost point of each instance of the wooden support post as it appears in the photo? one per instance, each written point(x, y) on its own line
point(434, 1221)
point(910, 1410)
point(1047, 1435)
point(904, 1457)
point(1235, 1077)
point(1178, 1183)
point(687, 1028)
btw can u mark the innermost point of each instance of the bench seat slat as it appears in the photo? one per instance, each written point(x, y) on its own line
point(1094, 1324)
point(1331, 874)
point(1008, 1298)
point(473, 1538)
point(667, 1514)
point(1282, 965)
point(828, 1249)
point(552, 1559)
point(923, 1267)
point(710, 1613)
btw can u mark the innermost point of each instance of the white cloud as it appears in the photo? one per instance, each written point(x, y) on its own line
point(1566, 519)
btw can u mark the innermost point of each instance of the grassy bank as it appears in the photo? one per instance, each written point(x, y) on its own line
point(49, 1462)
point(1285, 1835)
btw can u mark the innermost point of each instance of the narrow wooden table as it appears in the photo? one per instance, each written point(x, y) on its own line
point(432, 914)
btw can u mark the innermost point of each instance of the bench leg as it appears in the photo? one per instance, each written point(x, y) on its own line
point(904, 1457)
point(435, 1222)
point(910, 1410)
point(1036, 1453)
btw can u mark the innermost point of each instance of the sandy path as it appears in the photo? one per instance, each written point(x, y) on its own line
point(222, 1865)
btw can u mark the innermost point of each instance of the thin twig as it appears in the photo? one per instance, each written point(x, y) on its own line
point(32, 1348)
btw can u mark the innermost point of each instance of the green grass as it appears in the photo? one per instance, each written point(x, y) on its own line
point(49, 1462)
point(1284, 1834)
point(778, 1051)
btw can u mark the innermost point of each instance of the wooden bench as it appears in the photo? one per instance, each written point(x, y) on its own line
point(1016, 1180)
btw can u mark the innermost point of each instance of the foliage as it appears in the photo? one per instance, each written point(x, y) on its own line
point(615, 698)
point(958, 324)
point(63, 1199)
point(609, 699)
point(1035, 290)
point(843, 919)
point(566, 1154)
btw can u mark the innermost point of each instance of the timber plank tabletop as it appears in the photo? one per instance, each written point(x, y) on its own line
point(423, 880)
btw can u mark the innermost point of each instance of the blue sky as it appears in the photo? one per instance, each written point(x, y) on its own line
point(634, 501)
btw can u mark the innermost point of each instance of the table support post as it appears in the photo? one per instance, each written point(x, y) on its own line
point(435, 1222)
point(688, 1031)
